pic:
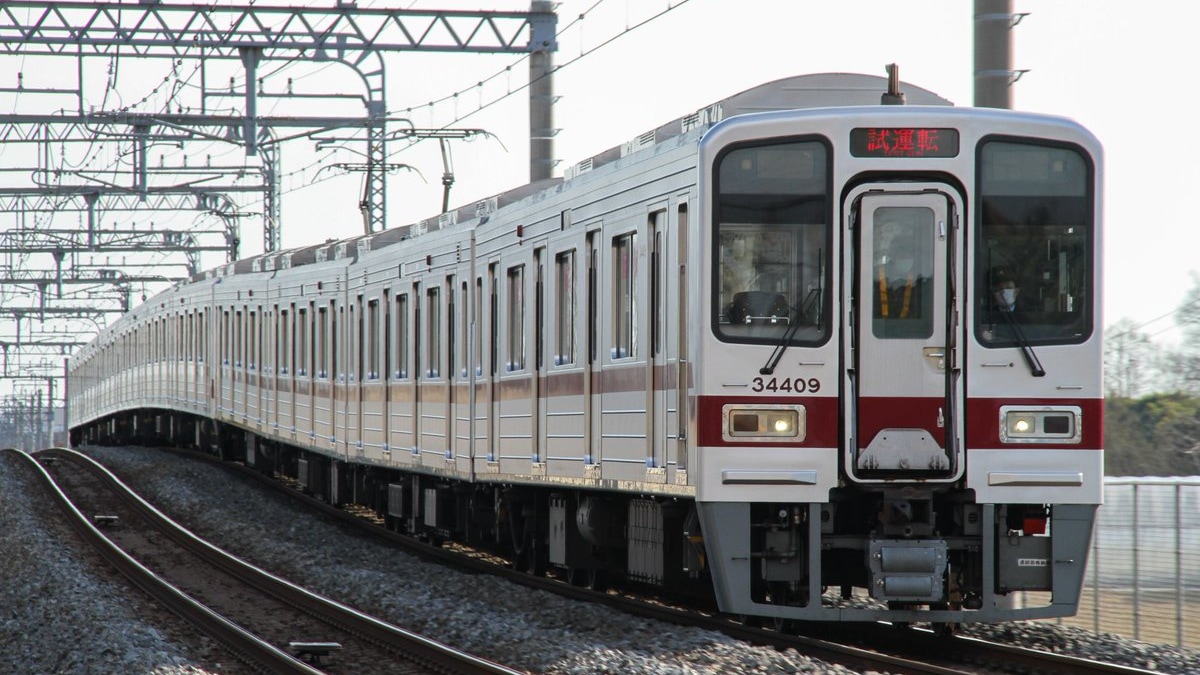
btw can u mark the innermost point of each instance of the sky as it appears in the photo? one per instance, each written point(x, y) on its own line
point(1126, 71)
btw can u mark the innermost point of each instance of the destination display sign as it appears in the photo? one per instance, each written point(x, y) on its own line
point(903, 142)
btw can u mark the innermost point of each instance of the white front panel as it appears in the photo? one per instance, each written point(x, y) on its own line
point(1008, 476)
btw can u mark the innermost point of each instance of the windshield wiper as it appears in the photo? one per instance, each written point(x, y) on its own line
point(1031, 359)
point(781, 347)
point(786, 340)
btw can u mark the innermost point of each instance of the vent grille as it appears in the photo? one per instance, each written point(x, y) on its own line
point(579, 169)
point(640, 143)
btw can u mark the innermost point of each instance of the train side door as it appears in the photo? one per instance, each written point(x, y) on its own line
point(357, 351)
point(905, 394)
point(386, 374)
point(451, 378)
point(591, 371)
point(293, 369)
point(333, 319)
point(681, 334)
point(418, 376)
point(257, 366)
point(226, 382)
point(656, 420)
point(493, 384)
point(538, 407)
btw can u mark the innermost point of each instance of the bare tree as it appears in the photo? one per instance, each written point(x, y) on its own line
point(1183, 364)
point(1129, 360)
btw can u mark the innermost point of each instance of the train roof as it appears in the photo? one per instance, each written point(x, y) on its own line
point(819, 90)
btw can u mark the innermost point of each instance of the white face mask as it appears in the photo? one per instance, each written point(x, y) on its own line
point(1009, 295)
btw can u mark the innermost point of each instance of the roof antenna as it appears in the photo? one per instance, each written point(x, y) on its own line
point(893, 96)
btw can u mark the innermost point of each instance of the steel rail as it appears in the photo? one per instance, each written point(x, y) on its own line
point(249, 647)
point(432, 654)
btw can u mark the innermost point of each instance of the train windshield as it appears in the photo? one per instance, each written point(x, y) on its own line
point(1034, 278)
point(771, 243)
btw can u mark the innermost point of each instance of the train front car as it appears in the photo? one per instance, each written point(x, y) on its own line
point(899, 386)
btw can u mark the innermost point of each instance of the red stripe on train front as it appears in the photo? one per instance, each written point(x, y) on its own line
point(823, 419)
point(983, 421)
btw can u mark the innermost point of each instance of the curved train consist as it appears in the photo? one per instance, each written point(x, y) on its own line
point(825, 358)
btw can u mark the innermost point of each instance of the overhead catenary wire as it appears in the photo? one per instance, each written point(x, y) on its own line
point(454, 96)
point(174, 82)
point(1195, 304)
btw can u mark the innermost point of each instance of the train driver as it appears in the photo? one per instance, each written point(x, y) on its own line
point(1006, 295)
point(1007, 305)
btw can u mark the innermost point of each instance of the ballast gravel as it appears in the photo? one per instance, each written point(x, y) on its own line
point(44, 581)
point(60, 612)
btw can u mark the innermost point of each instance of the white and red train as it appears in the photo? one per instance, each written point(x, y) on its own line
point(796, 347)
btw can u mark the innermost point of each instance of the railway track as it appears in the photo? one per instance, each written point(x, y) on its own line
point(271, 624)
point(863, 647)
point(966, 653)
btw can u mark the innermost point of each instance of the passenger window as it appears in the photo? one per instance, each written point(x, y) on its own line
point(494, 318)
point(564, 342)
point(285, 355)
point(516, 319)
point(252, 342)
point(321, 343)
point(478, 326)
point(401, 337)
point(624, 310)
point(224, 337)
point(372, 340)
point(464, 324)
point(304, 356)
point(434, 324)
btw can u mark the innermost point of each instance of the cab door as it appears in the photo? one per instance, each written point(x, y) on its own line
point(904, 391)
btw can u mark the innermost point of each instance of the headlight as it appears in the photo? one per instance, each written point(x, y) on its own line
point(763, 422)
point(1046, 424)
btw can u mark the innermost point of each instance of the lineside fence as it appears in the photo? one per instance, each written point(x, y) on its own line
point(1143, 576)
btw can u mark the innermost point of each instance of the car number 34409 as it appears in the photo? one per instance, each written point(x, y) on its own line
point(793, 385)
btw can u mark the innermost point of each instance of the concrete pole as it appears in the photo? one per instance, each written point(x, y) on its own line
point(541, 106)
point(993, 53)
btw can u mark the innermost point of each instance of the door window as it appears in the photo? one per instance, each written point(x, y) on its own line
point(902, 280)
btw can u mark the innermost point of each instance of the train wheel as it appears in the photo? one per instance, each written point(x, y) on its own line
point(528, 556)
point(530, 560)
point(593, 580)
point(786, 626)
point(581, 578)
point(945, 629)
point(597, 580)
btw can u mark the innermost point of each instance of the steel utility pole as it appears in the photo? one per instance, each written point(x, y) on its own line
point(541, 104)
point(994, 73)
